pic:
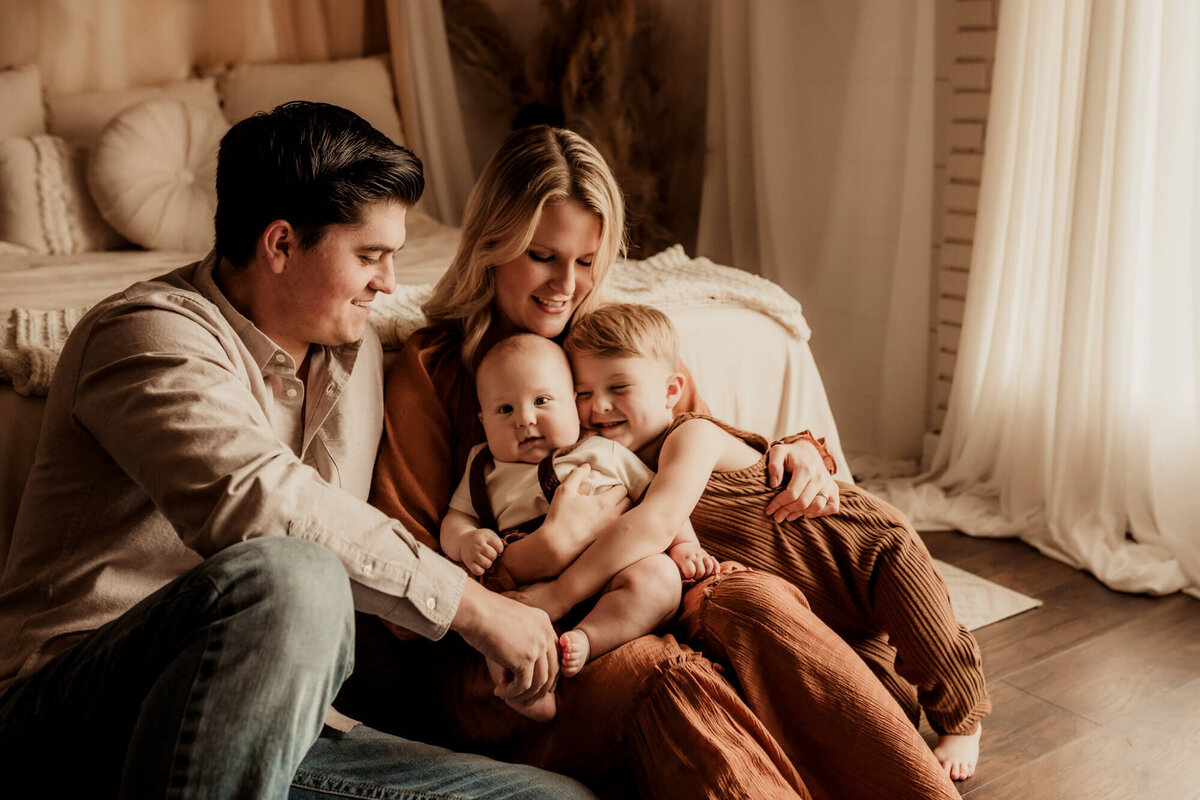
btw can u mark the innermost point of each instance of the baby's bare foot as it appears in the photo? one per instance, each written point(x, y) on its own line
point(575, 649)
point(958, 754)
point(541, 710)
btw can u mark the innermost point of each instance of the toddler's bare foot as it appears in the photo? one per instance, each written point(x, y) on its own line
point(541, 710)
point(575, 650)
point(958, 754)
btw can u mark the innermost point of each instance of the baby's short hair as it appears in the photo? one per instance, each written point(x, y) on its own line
point(623, 330)
point(522, 344)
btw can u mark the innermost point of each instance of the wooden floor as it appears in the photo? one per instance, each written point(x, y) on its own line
point(1096, 694)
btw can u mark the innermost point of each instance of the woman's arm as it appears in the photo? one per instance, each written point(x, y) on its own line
point(684, 466)
point(570, 527)
point(414, 468)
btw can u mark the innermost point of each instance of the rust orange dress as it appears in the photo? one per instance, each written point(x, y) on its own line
point(774, 705)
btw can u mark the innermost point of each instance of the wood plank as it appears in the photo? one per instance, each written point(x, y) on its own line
point(1074, 613)
point(1021, 729)
point(1151, 754)
point(1127, 667)
point(1008, 562)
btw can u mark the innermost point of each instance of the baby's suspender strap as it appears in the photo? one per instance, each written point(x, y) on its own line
point(547, 476)
point(479, 495)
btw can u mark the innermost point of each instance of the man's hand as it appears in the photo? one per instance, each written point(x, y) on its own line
point(517, 637)
point(693, 561)
point(479, 549)
point(811, 491)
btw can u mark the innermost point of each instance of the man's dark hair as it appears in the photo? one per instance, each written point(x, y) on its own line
point(312, 164)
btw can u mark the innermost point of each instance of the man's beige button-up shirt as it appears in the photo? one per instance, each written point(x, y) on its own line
point(173, 429)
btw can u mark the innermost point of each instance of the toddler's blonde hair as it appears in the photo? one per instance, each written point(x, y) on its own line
point(624, 330)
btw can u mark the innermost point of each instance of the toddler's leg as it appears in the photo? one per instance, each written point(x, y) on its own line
point(636, 601)
point(541, 710)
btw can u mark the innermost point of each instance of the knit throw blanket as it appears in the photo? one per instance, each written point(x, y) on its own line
point(32, 340)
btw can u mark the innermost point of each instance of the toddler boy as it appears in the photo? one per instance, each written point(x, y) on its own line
point(864, 570)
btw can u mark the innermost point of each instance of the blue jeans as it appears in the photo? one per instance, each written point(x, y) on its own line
point(216, 687)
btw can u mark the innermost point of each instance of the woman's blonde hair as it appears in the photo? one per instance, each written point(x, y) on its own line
point(534, 166)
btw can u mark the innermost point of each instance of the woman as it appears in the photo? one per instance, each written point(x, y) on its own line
point(542, 227)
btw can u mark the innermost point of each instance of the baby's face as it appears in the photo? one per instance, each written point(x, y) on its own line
point(625, 399)
point(527, 408)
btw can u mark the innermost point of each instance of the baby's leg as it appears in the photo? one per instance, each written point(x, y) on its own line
point(637, 600)
point(542, 709)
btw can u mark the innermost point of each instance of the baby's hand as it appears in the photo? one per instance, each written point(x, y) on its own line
point(693, 562)
point(479, 549)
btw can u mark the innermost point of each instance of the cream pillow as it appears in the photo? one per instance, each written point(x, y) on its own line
point(363, 85)
point(44, 200)
point(79, 118)
point(153, 174)
point(21, 101)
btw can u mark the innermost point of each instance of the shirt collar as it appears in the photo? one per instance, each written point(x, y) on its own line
point(269, 356)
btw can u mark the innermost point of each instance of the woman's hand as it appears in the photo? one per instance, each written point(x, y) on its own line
point(575, 519)
point(810, 492)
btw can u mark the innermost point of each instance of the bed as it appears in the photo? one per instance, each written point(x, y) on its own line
point(68, 223)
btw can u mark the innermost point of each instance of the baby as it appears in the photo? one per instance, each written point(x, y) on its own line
point(864, 571)
point(528, 412)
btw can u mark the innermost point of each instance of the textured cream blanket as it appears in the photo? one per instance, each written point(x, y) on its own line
point(32, 340)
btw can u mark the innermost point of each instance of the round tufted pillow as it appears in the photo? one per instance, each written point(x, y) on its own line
point(153, 174)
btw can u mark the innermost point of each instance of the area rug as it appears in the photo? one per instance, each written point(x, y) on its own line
point(978, 602)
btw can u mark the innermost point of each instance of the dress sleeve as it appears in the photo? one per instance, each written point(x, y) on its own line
point(414, 473)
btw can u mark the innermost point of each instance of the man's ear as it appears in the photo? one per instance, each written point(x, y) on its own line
point(675, 385)
point(277, 242)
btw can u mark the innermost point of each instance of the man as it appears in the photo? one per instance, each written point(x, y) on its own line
point(177, 606)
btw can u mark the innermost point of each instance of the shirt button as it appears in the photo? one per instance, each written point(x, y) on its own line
point(368, 568)
point(430, 603)
point(280, 358)
point(290, 392)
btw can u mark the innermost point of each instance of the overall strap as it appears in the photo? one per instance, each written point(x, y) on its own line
point(479, 496)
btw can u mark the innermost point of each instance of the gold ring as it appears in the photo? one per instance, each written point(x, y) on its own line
point(822, 496)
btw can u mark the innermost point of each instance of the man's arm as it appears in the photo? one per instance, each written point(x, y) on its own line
point(517, 637)
point(168, 392)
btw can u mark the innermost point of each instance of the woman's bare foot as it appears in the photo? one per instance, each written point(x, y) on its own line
point(958, 754)
point(575, 647)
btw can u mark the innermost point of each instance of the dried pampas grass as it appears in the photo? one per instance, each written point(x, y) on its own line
point(598, 67)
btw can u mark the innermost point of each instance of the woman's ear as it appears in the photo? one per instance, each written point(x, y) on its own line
point(675, 384)
point(276, 242)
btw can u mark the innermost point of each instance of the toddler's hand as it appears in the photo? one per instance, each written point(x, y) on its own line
point(693, 561)
point(479, 550)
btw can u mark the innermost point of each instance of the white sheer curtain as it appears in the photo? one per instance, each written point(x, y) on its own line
point(429, 105)
point(1073, 420)
point(819, 177)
